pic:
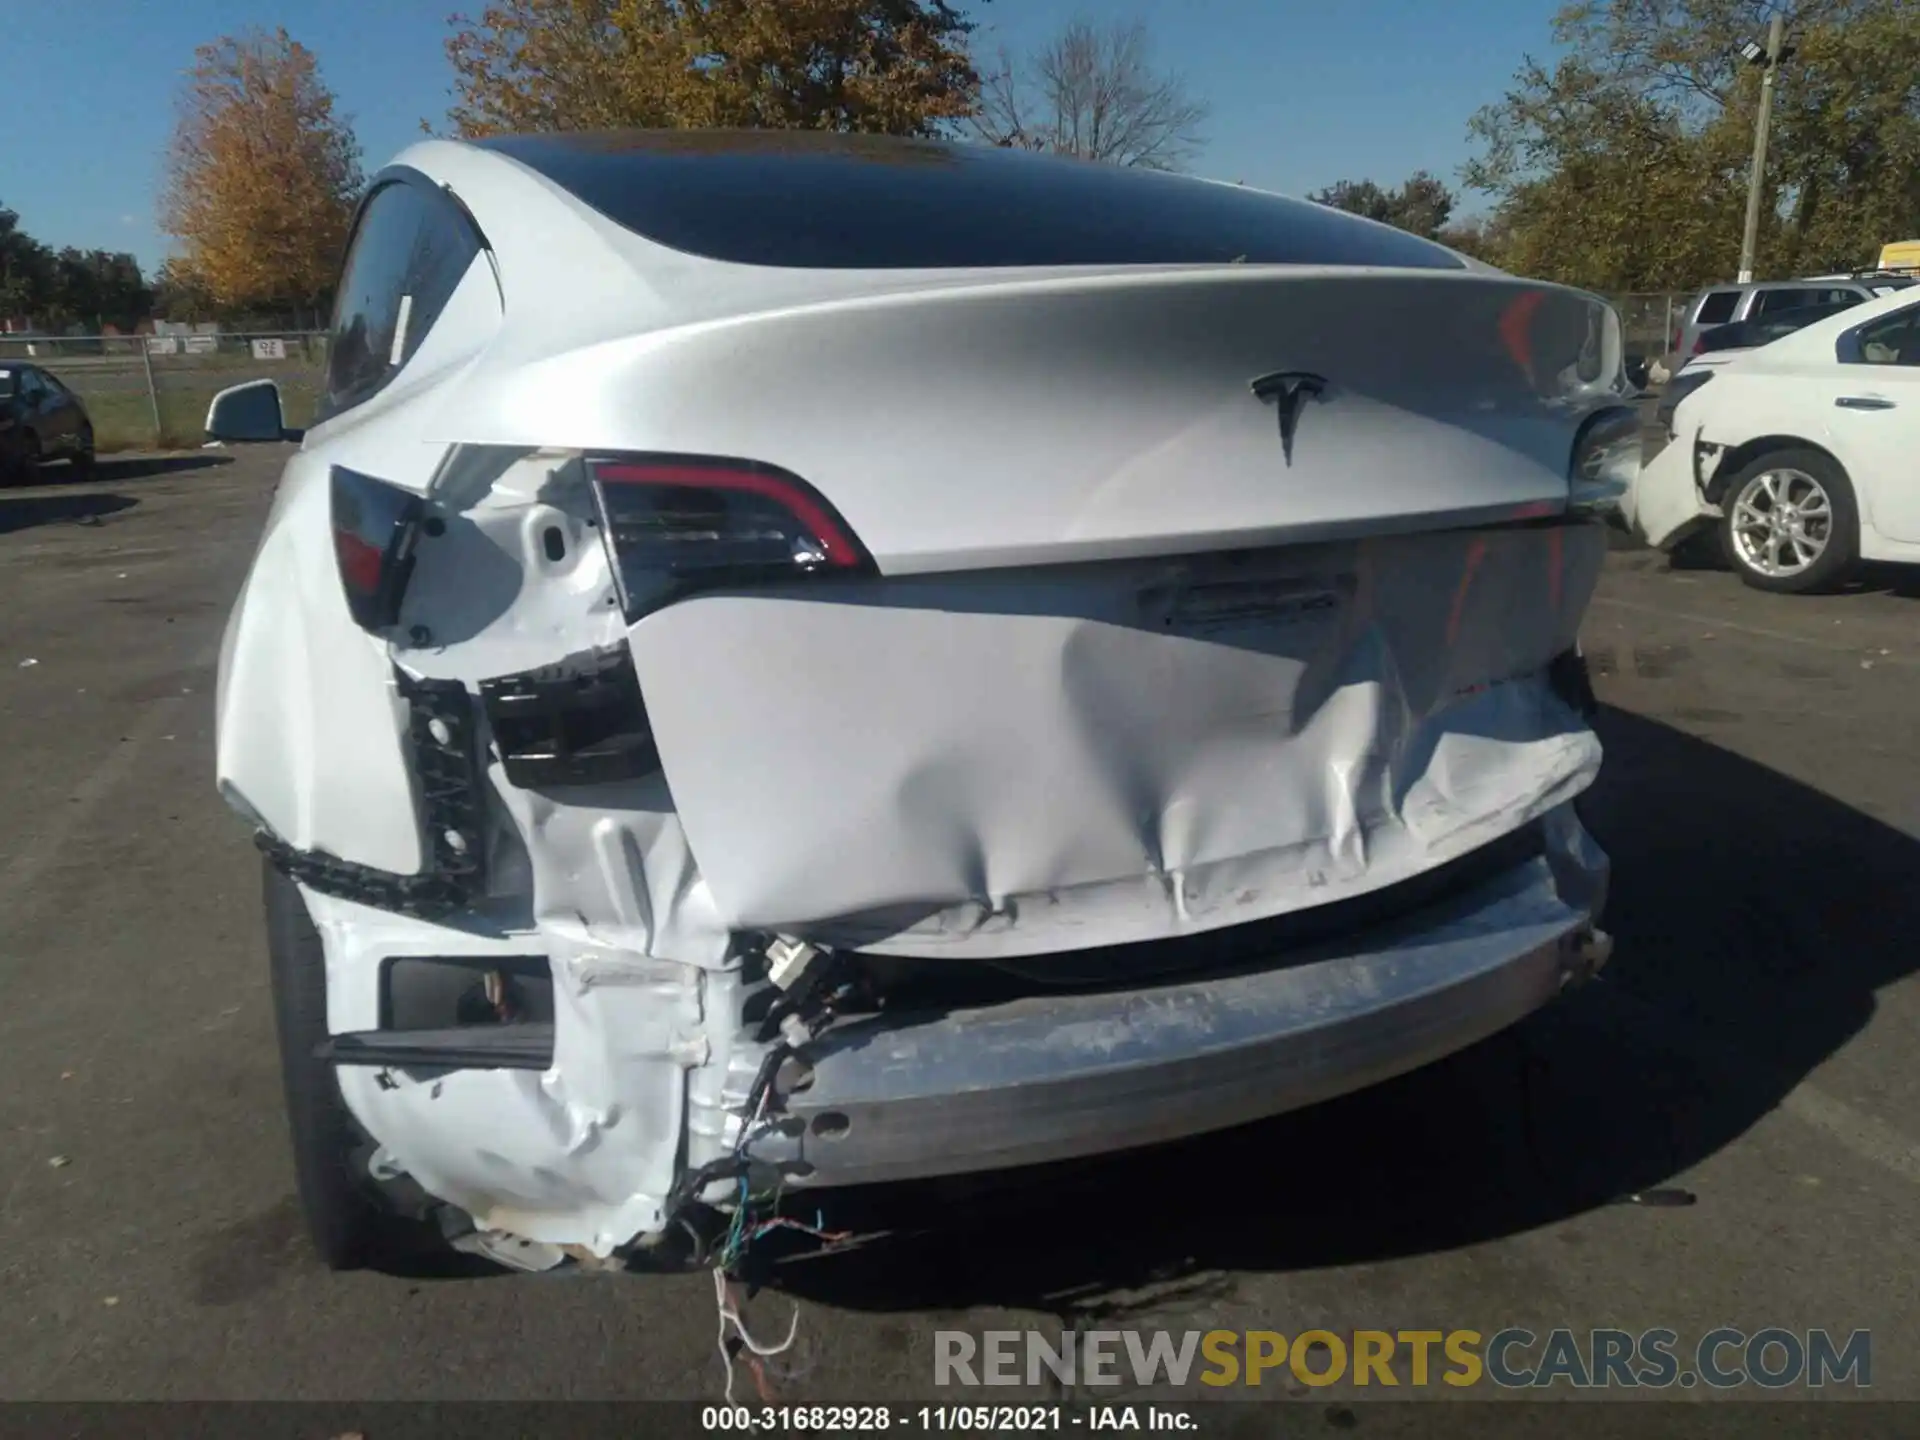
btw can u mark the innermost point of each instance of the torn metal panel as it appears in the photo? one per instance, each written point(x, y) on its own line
point(613, 862)
point(1018, 762)
point(583, 1153)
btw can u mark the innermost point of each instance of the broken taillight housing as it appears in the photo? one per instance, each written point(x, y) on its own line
point(375, 529)
point(680, 524)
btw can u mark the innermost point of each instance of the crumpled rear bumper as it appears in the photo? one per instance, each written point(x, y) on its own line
point(646, 1072)
point(1056, 1077)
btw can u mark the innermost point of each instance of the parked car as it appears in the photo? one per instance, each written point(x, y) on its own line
point(40, 419)
point(734, 702)
point(1724, 343)
point(1763, 300)
point(1802, 451)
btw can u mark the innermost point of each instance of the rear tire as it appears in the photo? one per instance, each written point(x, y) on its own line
point(347, 1224)
point(1789, 522)
point(23, 466)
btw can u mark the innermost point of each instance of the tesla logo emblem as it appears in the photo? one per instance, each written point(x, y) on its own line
point(1288, 392)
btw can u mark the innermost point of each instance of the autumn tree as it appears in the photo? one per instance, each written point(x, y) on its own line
point(1093, 92)
point(890, 67)
point(1421, 204)
point(1484, 237)
point(262, 175)
point(1624, 165)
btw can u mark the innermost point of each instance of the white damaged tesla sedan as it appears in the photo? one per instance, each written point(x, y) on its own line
point(795, 661)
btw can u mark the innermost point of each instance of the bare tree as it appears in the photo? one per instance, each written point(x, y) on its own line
point(1093, 93)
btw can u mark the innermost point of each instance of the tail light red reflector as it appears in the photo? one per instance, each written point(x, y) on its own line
point(676, 525)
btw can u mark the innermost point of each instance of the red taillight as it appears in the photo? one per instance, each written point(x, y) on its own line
point(359, 563)
point(1699, 346)
point(676, 524)
point(375, 527)
point(1516, 326)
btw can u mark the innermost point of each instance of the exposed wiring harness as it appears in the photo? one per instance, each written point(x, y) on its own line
point(804, 1009)
point(756, 1350)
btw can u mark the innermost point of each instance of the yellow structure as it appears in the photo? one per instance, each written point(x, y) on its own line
point(1901, 255)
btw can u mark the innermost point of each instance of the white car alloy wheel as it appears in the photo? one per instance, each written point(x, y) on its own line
point(1782, 519)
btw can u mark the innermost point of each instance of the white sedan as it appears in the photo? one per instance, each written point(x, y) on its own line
point(1805, 452)
point(800, 660)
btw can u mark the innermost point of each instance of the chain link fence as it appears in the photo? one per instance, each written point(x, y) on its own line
point(1649, 319)
point(151, 391)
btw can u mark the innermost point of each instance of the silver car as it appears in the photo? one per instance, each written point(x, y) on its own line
point(802, 660)
point(1767, 300)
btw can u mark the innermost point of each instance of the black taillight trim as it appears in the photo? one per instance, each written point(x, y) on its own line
point(375, 529)
point(452, 814)
point(813, 516)
point(576, 723)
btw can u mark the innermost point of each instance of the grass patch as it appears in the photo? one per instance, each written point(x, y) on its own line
point(123, 419)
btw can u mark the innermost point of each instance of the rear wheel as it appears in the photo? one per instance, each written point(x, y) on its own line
point(348, 1226)
point(1789, 522)
point(23, 466)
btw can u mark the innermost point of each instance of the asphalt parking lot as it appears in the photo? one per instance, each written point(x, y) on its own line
point(1752, 1047)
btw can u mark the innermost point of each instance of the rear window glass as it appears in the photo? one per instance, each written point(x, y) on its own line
point(408, 252)
point(1717, 308)
point(1802, 316)
point(822, 201)
point(1736, 336)
point(1772, 302)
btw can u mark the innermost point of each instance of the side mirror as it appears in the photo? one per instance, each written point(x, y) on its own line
point(1637, 372)
point(248, 413)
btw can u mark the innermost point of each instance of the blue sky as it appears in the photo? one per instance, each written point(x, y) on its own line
point(1303, 93)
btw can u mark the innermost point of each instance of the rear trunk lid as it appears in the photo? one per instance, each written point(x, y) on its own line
point(985, 421)
point(1204, 595)
point(1035, 760)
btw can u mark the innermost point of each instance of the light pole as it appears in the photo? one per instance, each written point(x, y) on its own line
point(1770, 57)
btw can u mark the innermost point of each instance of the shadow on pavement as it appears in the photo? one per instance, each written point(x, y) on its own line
point(115, 468)
point(1898, 580)
point(23, 512)
point(1727, 987)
